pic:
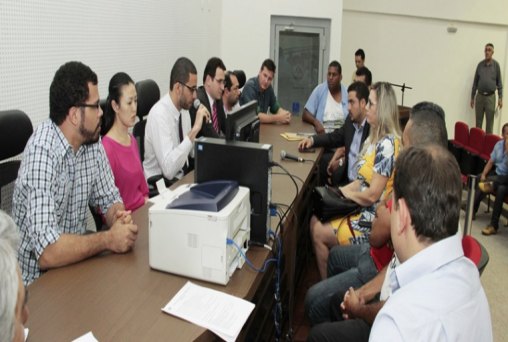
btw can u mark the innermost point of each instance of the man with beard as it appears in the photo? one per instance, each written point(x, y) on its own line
point(169, 133)
point(231, 95)
point(327, 107)
point(64, 169)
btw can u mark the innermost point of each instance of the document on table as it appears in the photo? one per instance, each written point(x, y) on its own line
point(88, 337)
point(216, 311)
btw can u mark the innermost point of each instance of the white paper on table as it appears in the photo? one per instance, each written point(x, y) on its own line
point(88, 337)
point(219, 312)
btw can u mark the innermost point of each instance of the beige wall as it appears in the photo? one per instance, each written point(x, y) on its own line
point(407, 42)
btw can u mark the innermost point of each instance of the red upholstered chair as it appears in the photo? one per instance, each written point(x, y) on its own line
point(488, 146)
point(460, 140)
point(470, 162)
point(475, 251)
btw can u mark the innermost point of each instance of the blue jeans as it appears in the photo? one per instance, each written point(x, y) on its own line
point(348, 266)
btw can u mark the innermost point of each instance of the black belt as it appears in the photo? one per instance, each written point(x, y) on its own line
point(487, 93)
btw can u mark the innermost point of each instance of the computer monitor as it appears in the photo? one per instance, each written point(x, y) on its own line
point(243, 124)
point(247, 163)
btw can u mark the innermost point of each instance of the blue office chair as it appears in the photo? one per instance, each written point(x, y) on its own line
point(15, 130)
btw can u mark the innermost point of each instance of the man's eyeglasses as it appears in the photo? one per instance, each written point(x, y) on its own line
point(192, 89)
point(97, 105)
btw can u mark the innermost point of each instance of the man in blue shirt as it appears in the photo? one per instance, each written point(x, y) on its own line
point(326, 109)
point(436, 291)
point(499, 159)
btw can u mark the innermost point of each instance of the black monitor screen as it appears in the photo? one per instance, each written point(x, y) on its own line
point(243, 124)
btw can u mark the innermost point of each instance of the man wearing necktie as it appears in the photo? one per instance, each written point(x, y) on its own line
point(169, 134)
point(210, 95)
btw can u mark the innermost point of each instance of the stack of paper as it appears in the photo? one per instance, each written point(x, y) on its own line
point(216, 311)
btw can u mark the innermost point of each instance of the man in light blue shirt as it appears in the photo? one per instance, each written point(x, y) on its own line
point(326, 109)
point(436, 291)
point(498, 161)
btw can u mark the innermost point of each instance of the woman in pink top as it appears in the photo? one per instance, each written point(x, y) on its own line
point(120, 146)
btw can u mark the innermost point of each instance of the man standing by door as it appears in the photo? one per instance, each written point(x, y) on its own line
point(487, 79)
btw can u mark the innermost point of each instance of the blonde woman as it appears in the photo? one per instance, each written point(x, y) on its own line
point(374, 180)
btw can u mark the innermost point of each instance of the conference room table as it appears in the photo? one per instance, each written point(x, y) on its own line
point(118, 297)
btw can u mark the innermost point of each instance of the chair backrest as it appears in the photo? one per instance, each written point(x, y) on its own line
point(148, 95)
point(15, 130)
point(462, 133)
point(103, 103)
point(488, 144)
point(476, 139)
point(475, 252)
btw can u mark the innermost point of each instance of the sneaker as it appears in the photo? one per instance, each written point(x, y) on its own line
point(489, 230)
point(485, 187)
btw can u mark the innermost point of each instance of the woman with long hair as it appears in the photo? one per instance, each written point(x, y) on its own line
point(374, 181)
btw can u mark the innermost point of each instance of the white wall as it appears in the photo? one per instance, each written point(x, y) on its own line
point(142, 38)
point(407, 42)
point(246, 28)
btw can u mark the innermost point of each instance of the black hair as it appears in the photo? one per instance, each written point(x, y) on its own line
point(428, 124)
point(364, 71)
point(69, 88)
point(490, 44)
point(360, 53)
point(337, 65)
point(211, 67)
point(269, 64)
point(361, 89)
point(116, 83)
point(428, 179)
point(240, 75)
point(181, 70)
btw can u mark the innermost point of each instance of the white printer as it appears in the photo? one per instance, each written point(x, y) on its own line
point(189, 230)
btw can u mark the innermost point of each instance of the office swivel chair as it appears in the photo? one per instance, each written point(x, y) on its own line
point(15, 130)
point(148, 94)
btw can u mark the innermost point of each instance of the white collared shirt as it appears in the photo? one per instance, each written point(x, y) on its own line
point(436, 296)
point(164, 153)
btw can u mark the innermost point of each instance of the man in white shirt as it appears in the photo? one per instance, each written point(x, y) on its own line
point(169, 136)
point(436, 291)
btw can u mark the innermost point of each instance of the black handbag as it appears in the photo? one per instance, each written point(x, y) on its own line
point(329, 202)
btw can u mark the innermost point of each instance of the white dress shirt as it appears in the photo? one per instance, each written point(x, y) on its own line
point(164, 153)
point(436, 296)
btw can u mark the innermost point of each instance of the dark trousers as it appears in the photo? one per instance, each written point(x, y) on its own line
point(340, 330)
point(500, 191)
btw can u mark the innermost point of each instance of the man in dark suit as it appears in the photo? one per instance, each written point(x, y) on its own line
point(210, 95)
point(339, 167)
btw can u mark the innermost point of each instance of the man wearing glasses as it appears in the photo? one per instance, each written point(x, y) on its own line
point(210, 95)
point(232, 86)
point(169, 133)
point(64, 169)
